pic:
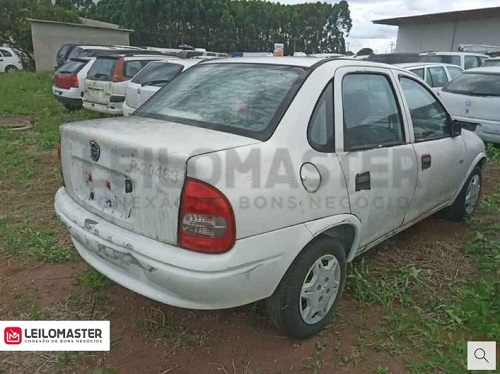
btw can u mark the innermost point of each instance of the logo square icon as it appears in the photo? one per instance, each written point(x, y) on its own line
point(13, 335)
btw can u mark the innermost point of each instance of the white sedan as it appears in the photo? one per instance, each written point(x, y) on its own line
point(261, 178)
point(475, 97)
point(150, 79)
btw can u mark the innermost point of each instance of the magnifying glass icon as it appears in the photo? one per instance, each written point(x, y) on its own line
point(480, 354)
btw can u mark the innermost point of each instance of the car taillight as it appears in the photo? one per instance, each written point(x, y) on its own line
point(118, 74)
point(206, 220)
point(74, 80)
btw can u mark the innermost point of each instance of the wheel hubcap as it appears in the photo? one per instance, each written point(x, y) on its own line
point(320, 289)
point(472, 195)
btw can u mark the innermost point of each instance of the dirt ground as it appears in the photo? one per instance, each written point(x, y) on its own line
point(148, 337)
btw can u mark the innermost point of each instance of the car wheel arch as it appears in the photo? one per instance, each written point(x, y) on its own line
point(480, 161)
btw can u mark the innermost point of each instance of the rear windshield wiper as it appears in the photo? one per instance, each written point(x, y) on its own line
point(99, 75)
point(152, 83)
point(64, 72)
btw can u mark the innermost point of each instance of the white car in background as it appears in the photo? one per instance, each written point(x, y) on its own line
point(261, 178)
point(150, 79)
point(465, 60)
point(9, 60)
point(69, 82)
point(107, 80)
point(474, 97)
point(435, 75)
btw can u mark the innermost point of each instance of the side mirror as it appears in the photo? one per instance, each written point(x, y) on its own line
point(456, 128)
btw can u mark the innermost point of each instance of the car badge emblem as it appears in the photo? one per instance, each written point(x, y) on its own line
point(95, 151)
point(468, 103)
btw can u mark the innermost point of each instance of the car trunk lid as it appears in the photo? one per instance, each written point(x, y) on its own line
point(130, 171)
point(137, 94)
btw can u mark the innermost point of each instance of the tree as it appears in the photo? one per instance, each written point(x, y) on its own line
point(229, 25)
point(365, 52)
point(15, 28)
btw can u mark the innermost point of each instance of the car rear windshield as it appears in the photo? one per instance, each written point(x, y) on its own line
point(102, 69)
point(158, 73)
point(132, 67)
point(71, 67)
point(244, 99)
point(475, 84)
point(453, 60)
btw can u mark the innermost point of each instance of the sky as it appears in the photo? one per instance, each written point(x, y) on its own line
point(379, 37)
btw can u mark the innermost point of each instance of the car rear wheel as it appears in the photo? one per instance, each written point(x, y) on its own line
point(468, 199)
point(305, 300)
point(10, 69)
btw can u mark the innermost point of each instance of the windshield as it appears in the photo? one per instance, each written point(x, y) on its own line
point(491, 63)
point(246, 99)
point(475, 84)
point(71, 67)
point(102, 69)
point(158, 73)
point(453, 60)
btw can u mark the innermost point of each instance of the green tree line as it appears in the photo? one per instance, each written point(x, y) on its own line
point(226, 25)
point(219, 25)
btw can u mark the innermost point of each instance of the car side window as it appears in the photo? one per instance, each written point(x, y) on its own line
point(430, 119)
point(321, 129)
point(471, 62)
point(372, 117)
point(419, 72)
point(454, 72)
point(5, 53)
point(439, 77)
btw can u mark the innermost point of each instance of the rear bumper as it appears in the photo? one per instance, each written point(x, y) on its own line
point(249, 272)
point(488, 131)
point(72, 96)
point(111, 108)
point(127, 110)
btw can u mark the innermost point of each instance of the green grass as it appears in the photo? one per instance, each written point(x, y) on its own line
point(93, 280)
point(433, 327)
point(29, 170)
point(493, 152)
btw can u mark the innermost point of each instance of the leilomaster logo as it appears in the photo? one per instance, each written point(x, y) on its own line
point(13, 335)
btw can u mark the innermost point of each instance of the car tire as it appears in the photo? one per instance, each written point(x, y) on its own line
point(468, 199)
point(10, 69)
point(309, 282)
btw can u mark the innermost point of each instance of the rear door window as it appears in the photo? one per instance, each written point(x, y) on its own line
point(378, 121)
point(102, 69)
point(75, 52)
point(158, 73)
point(438, 75)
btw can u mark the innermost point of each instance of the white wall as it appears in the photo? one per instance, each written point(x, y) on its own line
point(49, 37)
point(438, 36)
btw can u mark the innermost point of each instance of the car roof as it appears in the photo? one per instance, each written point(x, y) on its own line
point(494, 58)
point(430, 53)
point(486, 69)
point(304, 62)
point(412, 65)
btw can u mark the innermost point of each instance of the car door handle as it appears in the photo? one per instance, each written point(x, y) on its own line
point(363, 181)
point(1, 59)
point(426, 161)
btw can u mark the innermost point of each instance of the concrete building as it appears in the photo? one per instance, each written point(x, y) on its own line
point(446, 31)
point(49, 36)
